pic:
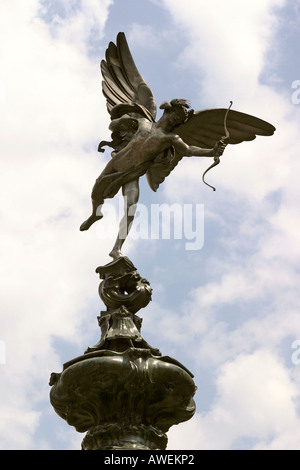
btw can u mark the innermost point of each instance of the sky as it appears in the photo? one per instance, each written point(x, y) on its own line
point(226, 298)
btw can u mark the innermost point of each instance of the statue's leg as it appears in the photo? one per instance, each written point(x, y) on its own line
point(96, 215)
point(98, 197)
point(131, 193)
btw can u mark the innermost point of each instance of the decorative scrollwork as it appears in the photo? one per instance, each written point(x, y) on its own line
point(123, 286)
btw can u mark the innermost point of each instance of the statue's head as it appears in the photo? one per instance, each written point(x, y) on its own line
point(176, 111)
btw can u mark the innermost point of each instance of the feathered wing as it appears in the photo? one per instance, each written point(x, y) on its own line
point(162, 166)
point(122, 82)
point(204, 129)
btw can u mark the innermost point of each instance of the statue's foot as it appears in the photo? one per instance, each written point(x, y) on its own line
point(116, 253)
point(92, 219)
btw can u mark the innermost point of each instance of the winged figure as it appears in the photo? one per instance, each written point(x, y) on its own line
point(142, 145)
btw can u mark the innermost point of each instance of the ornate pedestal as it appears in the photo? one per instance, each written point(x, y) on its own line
point(122, 391)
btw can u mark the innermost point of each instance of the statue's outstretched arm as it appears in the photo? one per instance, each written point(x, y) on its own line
point(194, 151)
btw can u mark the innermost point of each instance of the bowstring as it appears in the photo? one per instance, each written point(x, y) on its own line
point(217, 159)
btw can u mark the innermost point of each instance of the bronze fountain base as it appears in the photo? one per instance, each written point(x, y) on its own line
point(122, 392)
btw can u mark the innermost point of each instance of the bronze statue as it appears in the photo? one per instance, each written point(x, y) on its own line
point(122, 391)
point(141, 145)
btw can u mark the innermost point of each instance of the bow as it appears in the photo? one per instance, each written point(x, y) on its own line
point(221, 141)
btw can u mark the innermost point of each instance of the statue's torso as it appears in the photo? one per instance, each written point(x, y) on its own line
point(145, 145)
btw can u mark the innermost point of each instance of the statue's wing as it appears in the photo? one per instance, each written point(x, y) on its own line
point(162, 166)
point(122, 82)
point(204, 129)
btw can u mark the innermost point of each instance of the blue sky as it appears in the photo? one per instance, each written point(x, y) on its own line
point(228, 311)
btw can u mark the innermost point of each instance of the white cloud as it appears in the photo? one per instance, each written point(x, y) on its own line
point(76, 24)
point(143, 35)
point(236, 323)
point(256, 399)
point(228, 41)
point(53, 116)
point(53, 113)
